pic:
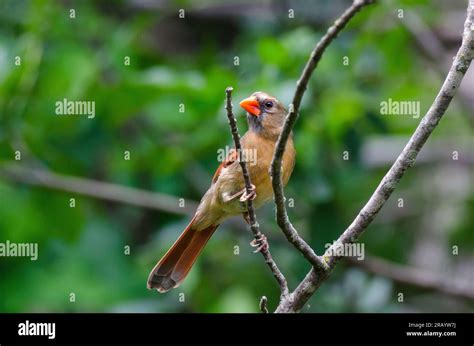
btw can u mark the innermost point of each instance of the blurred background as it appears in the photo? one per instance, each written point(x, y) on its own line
point(158, 83)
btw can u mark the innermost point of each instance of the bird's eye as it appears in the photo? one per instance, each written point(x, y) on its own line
point(269, 104)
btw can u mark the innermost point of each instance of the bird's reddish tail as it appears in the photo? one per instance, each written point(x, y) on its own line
point(171, 270)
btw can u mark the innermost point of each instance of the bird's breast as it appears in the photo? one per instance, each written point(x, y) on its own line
point(258, 154)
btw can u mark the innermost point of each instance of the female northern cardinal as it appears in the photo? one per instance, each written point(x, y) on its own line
point(227, 194)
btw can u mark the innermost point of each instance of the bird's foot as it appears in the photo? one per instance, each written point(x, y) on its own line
point(244, 196)
point(260, 243)
point(250, 195)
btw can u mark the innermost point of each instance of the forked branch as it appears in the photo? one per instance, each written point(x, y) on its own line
point(461, 62)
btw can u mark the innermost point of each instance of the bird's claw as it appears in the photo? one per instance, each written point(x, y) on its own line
point(250, 195)
point(260, 243)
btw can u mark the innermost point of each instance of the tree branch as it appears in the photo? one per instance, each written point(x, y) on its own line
point(248, 186)
point(406, 159)
point(275, 171)
point(106, 191)
point(97, 189)
point(414, 277)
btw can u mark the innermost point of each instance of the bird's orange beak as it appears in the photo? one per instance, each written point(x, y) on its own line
point(251, 105)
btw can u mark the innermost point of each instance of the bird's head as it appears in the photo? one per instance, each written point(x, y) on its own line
point(265, 114)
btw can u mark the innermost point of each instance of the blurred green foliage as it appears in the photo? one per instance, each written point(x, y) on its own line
point(137, 110)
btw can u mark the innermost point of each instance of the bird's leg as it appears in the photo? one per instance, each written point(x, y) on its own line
point(250, 195)
point(228, 198)
point(260, 243)
point(243, 195)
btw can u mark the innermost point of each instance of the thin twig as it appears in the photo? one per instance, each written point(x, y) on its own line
point(414, 277)
point(248, 186)
point(281, 213)
point(295, 301)
point(263, 305)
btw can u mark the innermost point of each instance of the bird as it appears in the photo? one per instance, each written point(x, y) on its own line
point(227, 195)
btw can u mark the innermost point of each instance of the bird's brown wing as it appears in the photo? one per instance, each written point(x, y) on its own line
point(232, 157)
